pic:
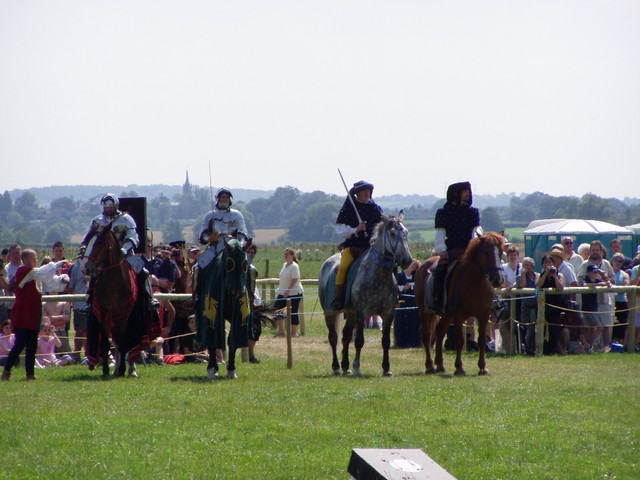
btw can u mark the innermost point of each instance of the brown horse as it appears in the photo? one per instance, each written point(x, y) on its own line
point(469, 293)
point(113, 292)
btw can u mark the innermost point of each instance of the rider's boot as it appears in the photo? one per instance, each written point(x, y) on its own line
point(338, 301)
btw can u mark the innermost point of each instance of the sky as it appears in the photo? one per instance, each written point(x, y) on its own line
point(513, 96)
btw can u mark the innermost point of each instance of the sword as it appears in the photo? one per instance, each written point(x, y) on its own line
point(353, 204)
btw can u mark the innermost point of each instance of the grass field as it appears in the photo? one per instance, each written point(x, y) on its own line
point(544, 418)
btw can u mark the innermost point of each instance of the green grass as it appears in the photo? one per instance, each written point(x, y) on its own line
point(551, 417)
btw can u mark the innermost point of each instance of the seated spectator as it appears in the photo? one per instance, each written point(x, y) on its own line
point(48, 341)
point(193, 351)
point(572, 337)
point(7, 341)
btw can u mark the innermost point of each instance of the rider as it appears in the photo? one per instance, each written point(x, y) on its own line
point(356, 227)
point(219, 222)
point(456, 223)
point(124, 227)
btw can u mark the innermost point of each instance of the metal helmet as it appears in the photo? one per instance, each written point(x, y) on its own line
point(224, 191)
point(110, 200)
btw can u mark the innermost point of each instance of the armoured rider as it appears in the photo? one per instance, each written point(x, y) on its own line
point(456, 223)
point(357, 233)
point(222, 221)
point(124, 227)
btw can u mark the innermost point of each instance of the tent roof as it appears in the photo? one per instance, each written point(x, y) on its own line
point(634, 228)
point(573, 226)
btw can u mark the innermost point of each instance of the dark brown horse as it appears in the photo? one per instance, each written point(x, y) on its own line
point(469, 293)
point(113, 292)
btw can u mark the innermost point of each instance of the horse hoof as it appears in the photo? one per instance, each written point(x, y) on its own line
point(430, 371)
point(231, 375)
point(357, 372)
point(133, 375)
point(336, 372)
point(483, 372)
point(388, 373)
point(212, 373)
point(460, 373)
point(440, 370)
point(347, 372)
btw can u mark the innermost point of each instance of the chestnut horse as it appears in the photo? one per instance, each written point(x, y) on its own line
point(372, 289)
point(469, 293)
point(115, 313)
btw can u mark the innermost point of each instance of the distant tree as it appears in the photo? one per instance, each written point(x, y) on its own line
point(27, 206)
point(316, 224)
point(490, 220)
point(6, 206)
point(172, 231)
point(63, 207)
point(58, 231)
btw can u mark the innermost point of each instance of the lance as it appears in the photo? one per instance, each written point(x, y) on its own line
point(353, 204)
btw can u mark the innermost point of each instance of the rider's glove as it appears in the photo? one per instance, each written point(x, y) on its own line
point(83, 248)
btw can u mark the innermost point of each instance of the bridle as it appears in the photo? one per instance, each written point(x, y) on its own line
point(388, 256)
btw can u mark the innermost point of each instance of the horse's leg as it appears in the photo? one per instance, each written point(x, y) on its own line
point(347, 335)
point(212, 364)
point(386, 345)
point(358, 343)
point(105, 348)
point(331, 320)
point(441, 330)
point(459, 328)
point(427, 324)
point(482, 345)
point(231, 360)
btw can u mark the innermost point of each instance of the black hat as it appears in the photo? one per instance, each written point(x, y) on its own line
point(361, 185)
point(177, 243)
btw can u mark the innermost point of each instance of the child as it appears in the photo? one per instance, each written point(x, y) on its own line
point(27, 311)
point(7, 341)
point(47, 343)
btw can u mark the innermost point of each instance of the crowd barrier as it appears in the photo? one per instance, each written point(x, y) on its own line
point(267, 288)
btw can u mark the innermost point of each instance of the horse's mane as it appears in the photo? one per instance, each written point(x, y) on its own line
point(380, 226)
point(489, 238)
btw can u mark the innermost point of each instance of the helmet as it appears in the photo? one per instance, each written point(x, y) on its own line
point(223, 191)
point(109, 200)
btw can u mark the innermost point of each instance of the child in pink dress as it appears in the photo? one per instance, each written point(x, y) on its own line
point(47, 343)
point(7, 341)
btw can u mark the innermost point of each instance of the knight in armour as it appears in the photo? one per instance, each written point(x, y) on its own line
point(222, 221)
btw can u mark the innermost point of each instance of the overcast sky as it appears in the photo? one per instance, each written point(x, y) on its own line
point(514, 96)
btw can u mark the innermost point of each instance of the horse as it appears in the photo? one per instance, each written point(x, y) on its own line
point(221, 294)
point(116, 308)
point(469, 293)
point(371, 289)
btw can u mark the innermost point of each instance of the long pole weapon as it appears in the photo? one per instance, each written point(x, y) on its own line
point(353, 204)
point(210, 187)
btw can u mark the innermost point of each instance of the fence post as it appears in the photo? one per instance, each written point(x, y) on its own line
point(540, 322)
point(512, 322)
point(631, 328)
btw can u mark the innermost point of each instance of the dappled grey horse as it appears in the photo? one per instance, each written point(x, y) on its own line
point(371, 290)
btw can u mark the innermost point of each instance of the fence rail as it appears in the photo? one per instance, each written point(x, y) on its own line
point(268, 288)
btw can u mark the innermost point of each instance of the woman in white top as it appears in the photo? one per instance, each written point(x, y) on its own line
point(289, 288)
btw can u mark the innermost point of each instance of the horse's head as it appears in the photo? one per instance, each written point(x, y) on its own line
point(235, 268)
point(485, 252)
point(103, 250)
point(390, 240)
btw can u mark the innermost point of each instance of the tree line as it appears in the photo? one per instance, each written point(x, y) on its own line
point(306, 217)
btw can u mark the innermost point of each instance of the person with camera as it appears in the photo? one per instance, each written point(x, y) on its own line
point(551, 278)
